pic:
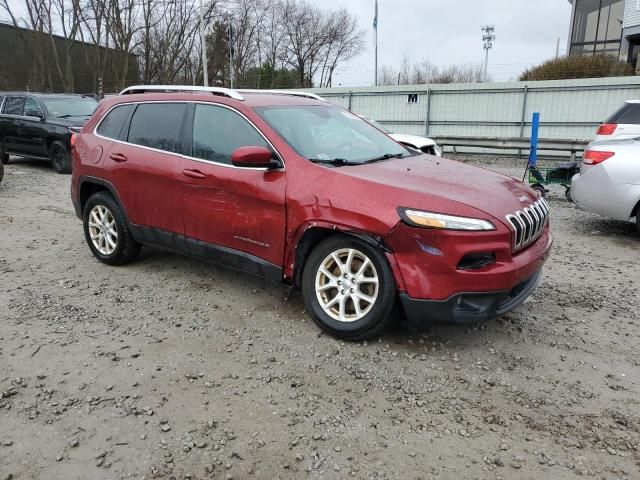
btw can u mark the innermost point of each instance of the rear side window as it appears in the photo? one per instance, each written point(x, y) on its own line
point(112, 123)
point(158, 125)
point(628, 113)
point(13, 105)
point(218, 131)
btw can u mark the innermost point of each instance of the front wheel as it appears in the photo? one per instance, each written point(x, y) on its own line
point(348, 288)
point(4, 157)
point(60, 158)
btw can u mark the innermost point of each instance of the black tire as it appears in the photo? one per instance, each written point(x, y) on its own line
point(4, 157)
point(540, 189)
point(60, 158)
point(567, 194)
point(1, 171)
point(126, 248)
point(379, 315)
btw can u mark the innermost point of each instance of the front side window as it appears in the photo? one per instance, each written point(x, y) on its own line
point(31, 108)
point(13, 105)
point(112, 123)
point(68, 107)
point(218, 131)
point(330, 134)
point(158, 125)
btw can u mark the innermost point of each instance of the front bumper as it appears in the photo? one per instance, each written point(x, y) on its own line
point(474, 307)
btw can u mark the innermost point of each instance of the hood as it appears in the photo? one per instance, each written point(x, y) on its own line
point(421, 180)
point(69, 122)
point(416, 140)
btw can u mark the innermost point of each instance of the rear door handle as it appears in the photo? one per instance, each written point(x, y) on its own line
point(118, 157)
point(193, 173)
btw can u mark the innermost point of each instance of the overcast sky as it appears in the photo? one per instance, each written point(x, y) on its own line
point(449, 32)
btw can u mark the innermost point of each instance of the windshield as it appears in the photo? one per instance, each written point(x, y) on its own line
point(329, 134)
point(70, 107)
point(379, 126)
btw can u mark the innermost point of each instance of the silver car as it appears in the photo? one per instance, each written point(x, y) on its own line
point(609, 180)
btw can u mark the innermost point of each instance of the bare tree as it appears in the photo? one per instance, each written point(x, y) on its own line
point(272, 41)
point(425, 72)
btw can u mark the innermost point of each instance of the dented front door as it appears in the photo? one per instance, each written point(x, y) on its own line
point(223, 205)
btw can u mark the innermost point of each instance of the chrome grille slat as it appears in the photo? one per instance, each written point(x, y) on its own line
point(528, 224)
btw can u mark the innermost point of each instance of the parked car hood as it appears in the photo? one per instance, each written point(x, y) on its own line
point(69, 122)
point(419, 142)
point(420, 181)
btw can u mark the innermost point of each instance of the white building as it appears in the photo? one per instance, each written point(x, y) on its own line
point(606, 26)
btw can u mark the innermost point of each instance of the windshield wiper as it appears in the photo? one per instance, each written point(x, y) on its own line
point(67, 115)
point(386, 156)
point(337, 162)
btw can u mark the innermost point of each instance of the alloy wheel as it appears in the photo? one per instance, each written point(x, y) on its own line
point(103, 230)
point(347, 285)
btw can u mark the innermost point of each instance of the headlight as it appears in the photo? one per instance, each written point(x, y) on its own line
point(418, 218)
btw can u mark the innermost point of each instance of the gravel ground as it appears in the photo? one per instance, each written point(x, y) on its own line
point(170, 368)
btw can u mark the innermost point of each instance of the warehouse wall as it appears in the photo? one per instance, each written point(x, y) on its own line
point(568, 108)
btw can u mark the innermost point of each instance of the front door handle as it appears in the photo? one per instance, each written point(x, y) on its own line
point(118, 157)
point(193, 173)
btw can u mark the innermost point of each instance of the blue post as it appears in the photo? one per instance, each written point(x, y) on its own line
point(535, 125)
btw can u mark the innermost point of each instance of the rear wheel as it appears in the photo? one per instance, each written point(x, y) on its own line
point(348, 288)
point(60, 158)
point(567, 194)
point(1, 171)
point(107, 232)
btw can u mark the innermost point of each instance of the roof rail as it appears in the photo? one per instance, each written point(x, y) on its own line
point(294, 93)
point(226, 92)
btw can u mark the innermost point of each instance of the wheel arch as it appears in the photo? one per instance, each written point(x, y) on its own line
point(90, 185)
point(315, 234)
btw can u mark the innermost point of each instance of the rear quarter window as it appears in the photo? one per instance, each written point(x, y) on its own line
point(112, 124)
point(629, 113)
point(158, 125)
point(13, 105)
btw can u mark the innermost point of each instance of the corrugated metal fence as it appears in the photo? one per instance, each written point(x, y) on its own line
point(569, 109)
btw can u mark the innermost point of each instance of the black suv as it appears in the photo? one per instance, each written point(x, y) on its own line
point(39, 125)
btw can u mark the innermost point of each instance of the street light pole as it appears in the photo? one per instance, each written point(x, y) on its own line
point(488, 37)
point(375, 34)
point(203, 42)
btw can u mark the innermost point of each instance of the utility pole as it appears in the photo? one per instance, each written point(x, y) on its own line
point(488, 37)
point(375, 34)
point(205, 68)
point(230, 42)
point(558, 48)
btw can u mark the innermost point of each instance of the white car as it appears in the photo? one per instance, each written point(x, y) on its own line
point(623, 123)
point(609, 180)
point(424, 144)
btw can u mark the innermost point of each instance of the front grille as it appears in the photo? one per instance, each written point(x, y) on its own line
point(528, 223)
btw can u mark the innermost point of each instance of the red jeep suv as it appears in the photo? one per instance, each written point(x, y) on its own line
point(299, 191)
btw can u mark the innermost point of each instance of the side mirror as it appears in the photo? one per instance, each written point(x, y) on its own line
point(253, 157)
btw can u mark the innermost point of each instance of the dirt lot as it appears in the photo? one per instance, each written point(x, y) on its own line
point(171, 368)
